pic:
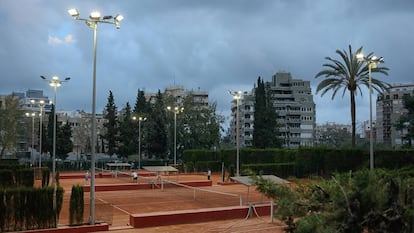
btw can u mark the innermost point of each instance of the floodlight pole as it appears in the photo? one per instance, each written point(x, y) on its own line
point(55, 83)
point(371, 131)
point(139, 140)
point(372, 63)
point(176, 111)
point(92, 22)
point(42, 105)
point(93, 136)
point(139, 119)
point(237, 95)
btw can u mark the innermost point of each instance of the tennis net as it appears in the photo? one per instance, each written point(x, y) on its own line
point(212, 197)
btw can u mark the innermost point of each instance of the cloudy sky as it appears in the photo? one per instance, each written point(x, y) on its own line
point(214, 45)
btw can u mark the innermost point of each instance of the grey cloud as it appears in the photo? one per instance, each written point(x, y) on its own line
point(212, 45)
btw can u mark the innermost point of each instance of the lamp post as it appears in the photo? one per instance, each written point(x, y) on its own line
point(139, 137)
point(54, 82)
point(176, 111)
point(32, 115)
point(372, 64)
point(92, 22)
point(237, 96)
point(41, 105)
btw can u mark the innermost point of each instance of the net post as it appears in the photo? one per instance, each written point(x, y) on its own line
point(271, 211)
point(241, 200)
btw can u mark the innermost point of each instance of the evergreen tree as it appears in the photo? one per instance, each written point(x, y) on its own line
point(141, 104)
point(44, 137)
point(111, 125)
point(265, 132)
point(48, 146)
point(64, 144)
point(127, 133)
point(271, 118)
point(156, 126)
point(141, 109)
point(199, 126)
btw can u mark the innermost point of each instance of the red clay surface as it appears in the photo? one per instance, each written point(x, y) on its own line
point(115, 207)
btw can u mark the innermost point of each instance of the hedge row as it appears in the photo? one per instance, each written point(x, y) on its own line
point(29, 208)
point(283, 170)
point(10, 178)
point(307, 161)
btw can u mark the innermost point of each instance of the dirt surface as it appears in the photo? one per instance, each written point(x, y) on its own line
point(114, 207)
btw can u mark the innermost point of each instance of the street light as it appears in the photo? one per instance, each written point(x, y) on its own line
point(41, 105)
point(237, 96)
point(372, 64)
point(139, 137)
point(54, 82)
point(32, 115)
point(92, 22)
point(176, 111)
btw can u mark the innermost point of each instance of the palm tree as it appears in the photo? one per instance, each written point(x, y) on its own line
point(348, 75)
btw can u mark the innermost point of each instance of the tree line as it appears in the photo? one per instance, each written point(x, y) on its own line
point(199, 127)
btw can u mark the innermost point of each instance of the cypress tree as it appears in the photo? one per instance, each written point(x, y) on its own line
point(265, 131)
point(126, 133)
point(112, 127)
point(157, 133)
point(64, 142)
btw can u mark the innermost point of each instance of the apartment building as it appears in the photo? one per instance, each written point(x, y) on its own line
point(292, 99)
point(200, 98)
point(389, 108)
point(246, 119)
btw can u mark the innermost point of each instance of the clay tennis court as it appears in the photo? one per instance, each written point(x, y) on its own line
point(115, 207)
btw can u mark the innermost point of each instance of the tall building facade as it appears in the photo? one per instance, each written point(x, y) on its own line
point(179, 93)
point(292, 99)
point(246, 119)
point(389, 108)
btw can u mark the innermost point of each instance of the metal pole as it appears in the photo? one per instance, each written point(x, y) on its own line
point(237, 137)
point(40, 136)
point(32, 154)
point(175, 137)
point(371, 131)
point(54, 156)
point(93, 136)
point(139, 143)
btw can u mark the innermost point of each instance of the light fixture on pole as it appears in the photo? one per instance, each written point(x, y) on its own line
point(32, 115)
point(54, 82)
point(372, 64)
point(41, 106)
point(139, 119)
point(176, 111)
point(92, 22)
point(237, 96)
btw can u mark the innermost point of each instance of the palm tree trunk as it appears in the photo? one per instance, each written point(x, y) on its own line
point(352, 94)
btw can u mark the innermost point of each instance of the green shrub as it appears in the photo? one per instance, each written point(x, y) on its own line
point(76, 205)
point(45, 177)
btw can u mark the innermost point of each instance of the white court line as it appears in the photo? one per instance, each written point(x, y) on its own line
point(102, 200)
